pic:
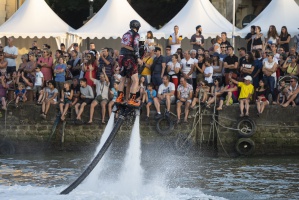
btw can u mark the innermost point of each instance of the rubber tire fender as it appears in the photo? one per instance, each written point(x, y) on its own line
point(245, 146)
point(242, 129)
point(7, 148)
point(166, 131)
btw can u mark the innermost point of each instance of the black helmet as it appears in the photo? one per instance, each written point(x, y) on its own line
point(135, 24)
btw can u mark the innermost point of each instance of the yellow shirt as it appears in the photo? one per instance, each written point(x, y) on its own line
point(148, 61)
point(245, 90)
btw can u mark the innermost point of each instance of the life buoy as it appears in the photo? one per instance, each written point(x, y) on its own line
point(7, 148)
point(245, 146)
point(246, 127)
point(164, 126)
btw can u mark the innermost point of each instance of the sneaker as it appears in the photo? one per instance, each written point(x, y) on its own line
point(120, 98)
point(158, 116)
point(133, 102)
point(167, 114)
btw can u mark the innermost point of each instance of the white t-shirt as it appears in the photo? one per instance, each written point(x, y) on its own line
point(172, 67)
point(38, 78)
point(218, 50)
point(209, 70)
point(174, 47)
point(11, 50)
point(163, 89)
point(187, 66)
point(274, 59)
point(269, 66)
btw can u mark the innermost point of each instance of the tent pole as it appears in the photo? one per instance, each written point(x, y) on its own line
point(234, 22)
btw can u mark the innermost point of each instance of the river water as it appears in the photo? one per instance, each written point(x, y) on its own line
point(166, 175)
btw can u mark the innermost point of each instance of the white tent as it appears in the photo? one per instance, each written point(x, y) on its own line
point(35, 19)
point(112, 21)
point(197, 12)
point(278, 13)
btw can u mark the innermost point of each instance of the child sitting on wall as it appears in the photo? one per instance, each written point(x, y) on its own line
point(20, 94)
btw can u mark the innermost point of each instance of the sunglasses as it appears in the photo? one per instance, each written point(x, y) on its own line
point(292, 81)
point(44, 52)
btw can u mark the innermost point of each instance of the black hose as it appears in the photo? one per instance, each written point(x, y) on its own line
point(98, 157)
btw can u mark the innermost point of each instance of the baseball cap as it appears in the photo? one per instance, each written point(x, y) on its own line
point(75, 44)
point(248, 78)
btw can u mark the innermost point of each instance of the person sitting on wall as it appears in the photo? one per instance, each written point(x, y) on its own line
point(184, 95)
point(86, 98)
point(292, 95)
point(246, 93)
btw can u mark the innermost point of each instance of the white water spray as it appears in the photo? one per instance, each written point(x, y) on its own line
point(92, 179)
point(130, 179)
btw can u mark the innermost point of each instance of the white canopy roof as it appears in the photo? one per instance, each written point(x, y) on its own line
point(112, 21)
point(278, 13)
point(34, 19)
point(197, 12)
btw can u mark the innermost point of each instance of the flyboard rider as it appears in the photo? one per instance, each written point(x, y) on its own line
point(128, 59)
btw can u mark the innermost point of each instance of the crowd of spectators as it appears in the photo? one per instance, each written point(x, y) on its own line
point(264, 72)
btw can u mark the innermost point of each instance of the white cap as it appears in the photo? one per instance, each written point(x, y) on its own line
point(248, 78)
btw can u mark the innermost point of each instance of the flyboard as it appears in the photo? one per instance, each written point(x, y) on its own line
point(124, 112)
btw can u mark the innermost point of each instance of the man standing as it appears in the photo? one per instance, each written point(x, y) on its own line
point(158, 68)
point(224, 39)
point(129, 53)
point(175, 40)
point(230, 64)
point(10, 53)
point(168, 55)
point(248, 38)
point(106, 62)
point(75, 47)
point(187, 67)
point(197, 40)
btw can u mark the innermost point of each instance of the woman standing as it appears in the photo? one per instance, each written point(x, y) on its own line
point(90, 65)
point(3, 64)
point(46, 61)
point(149, 41)
point(284, 39)
point(173, 69)
point(200, 68)
point(30, 67)
point(258, 65)
point(258, 39)
point(269, 70)
point(247, 66)
point(24, 60)
point(217, 48)
point(272, 37)
point(217, 66)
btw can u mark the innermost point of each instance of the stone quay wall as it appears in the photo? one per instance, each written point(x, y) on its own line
point(277, 131)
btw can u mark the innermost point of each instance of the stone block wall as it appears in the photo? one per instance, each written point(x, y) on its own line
point(277, 130)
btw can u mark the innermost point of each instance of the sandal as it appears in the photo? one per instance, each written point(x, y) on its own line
point(178, 121)
point(103, 122)
point(247, 114)
point(242, 115)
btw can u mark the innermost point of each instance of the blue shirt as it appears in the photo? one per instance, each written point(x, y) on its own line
point(60, 77)
point(115, 94)
point(154, 94)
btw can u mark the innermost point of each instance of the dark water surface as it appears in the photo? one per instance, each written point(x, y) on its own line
point(231, 178)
